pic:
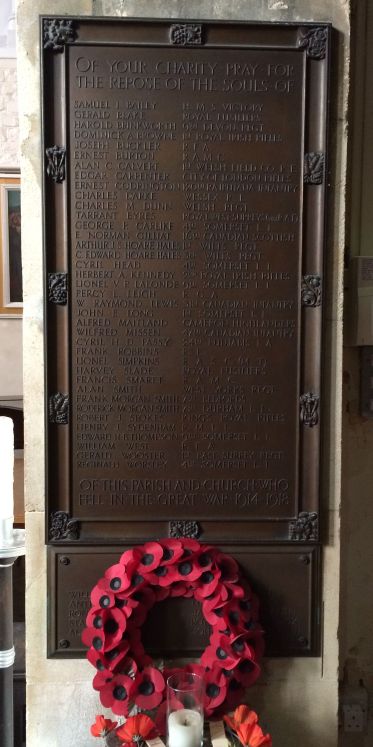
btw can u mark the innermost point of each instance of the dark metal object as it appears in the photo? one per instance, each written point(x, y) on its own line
point(305, 528)
point(59, 408)
point(185, 349)
point(311, 290)
point(57, 32)
point(56, 156)
point(314, 40)
point(64, 643)
point(6, 644)
point(186, 34)
point(57, 287)
point(184, 529)
point(314, 165)
point(288, 592)
point(309, 409)
point(63, 528)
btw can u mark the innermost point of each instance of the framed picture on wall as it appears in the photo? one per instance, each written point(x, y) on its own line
point(11, 296)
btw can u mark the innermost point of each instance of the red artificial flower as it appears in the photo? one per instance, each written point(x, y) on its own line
point(148, 688)
point(172, 551)
point(102, 596)
point(219, 652)
point(178, 589)
point(116, 694)
point(151, 557)
point(130, 558)
point(162, 576)
point(187, 569)
point(245, 724)
point(110, 623)
point(247, 672)
point(228, 567)
point(209, 580)
point(215, 690)
point(118, 577)
point(102, 726)
point(137, 729)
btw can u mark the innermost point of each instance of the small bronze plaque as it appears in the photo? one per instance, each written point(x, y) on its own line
point(187, 212)
point(285, 578)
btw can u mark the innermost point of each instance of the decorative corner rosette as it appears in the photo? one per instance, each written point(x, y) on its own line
point(186, 34)
point(179, 528)
point(305, 528)
point(57, 32)
point(121, 600)
point(314, 41)
point(61, 527)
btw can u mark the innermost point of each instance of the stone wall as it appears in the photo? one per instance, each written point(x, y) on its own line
point(9, 131)
point(298, 699)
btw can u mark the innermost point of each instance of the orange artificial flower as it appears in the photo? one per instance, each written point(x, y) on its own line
point(102, 727)
point(245, 724)
point(137, 729)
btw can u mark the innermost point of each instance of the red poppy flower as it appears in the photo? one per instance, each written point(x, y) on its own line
point(112, 623)
point(228, 566)
point(118, 577)
point(137, 729)
point(172, 551)
point(102, 726)
point(235, 693)
point(102, 596)
point(116, 694)
point(130, 558)
point(190, 546)
point(161, 576)
point(247, 671)
point(234, 590)
point(148, 688)
point(215, 689)
point(187, 569)
point(126, 603)
point(244, 723)
point(206, 558)
point(151, 557)
point(209, 581)
point(114, 657)
point(94, 638)
point(178, 589)
point(98, 661)
point(219, 653)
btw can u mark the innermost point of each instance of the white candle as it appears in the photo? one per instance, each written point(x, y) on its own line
point(185, 728)
point(6, 468)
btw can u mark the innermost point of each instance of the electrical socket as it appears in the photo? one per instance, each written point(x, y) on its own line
point(353, 717)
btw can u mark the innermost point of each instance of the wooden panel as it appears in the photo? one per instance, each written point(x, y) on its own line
point(285, 578)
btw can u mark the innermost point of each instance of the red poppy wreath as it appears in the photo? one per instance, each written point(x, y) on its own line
point(150, 573)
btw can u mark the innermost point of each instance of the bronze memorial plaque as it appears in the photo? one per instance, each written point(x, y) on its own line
point(185, 176)
point(289, 613)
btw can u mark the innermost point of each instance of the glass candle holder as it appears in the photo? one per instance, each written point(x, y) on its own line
point(185, 692)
